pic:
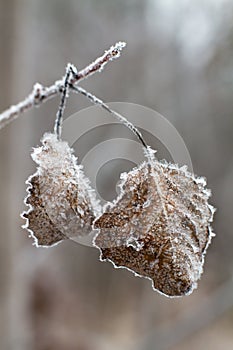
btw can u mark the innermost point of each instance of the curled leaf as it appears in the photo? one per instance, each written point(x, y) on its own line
point(61, 202)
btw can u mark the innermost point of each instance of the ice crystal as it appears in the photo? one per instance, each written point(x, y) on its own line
point(158, 227)
point(61, 202)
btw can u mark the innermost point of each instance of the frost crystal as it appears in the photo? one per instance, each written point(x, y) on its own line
point(158, 227)
point(61, 202)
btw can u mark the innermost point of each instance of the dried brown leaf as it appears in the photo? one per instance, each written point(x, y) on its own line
point(61, 202)
point(158, 227)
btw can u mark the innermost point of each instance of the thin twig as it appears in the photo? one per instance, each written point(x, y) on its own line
point(64, 95)
point(99, 63)
point(95, 100)
point(41, 94)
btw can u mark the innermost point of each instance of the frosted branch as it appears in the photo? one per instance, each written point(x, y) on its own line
point(41, 93)
point(59, 117)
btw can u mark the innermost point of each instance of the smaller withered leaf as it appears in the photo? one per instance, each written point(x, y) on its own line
point(158, 227)
point(61, 202)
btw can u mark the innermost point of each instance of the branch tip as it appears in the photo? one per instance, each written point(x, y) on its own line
point(40, 94)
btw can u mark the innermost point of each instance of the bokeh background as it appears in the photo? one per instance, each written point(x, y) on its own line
point(179, 61)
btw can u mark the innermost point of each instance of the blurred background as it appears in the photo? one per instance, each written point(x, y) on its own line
point(178, 61)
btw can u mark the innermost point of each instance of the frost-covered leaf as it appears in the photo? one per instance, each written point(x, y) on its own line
point(158, 227)
point(61, 202)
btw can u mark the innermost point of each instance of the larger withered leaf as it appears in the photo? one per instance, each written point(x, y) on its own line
point(158, 227)
point(61, 202)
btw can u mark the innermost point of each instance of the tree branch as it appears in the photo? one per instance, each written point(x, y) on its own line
point(41, 93)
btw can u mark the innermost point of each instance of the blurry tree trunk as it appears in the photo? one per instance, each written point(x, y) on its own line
point(6, 54)
point(15, 332)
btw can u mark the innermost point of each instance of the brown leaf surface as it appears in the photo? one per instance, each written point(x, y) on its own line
point(61, 202)
point(158, 227)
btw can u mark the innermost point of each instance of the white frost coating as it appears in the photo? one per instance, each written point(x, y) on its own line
point(40, 93)
point(109, 55)
point(30, 101)
point(159, 226)
point(64, 194)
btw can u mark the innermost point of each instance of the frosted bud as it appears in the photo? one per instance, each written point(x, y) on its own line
point(158, 227)
point(61, 201)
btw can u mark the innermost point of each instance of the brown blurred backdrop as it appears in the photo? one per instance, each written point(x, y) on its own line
point(179, 61)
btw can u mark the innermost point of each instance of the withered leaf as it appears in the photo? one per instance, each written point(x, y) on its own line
point(158, 227)
point(61, 202)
